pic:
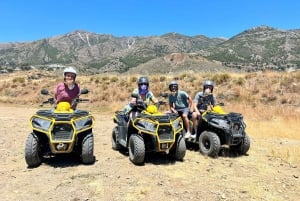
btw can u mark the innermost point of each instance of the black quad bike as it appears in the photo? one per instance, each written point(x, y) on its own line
point(148, 131)
point(219, 128)
point(60, 130)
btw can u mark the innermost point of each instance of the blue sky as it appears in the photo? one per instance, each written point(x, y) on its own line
point(29, 20)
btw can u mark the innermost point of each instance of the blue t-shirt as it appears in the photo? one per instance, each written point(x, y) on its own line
point(179, 99)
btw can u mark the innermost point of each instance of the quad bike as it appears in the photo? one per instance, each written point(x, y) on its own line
point(219, 128)
point(148, 131)
point(60, 130)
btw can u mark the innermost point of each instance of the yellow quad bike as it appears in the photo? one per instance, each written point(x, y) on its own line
point(148, 131)
point(60, 130)
point(219, 128)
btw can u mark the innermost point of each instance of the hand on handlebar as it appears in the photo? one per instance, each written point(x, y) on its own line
point(139, 102)
point(174, 111)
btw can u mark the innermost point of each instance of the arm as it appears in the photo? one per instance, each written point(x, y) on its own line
point(59, 87)
point(172, 109)
point(172, 106)
point(55, 93)
point(75, 96)
point(196, 102)
point(134, 96)
point(78, 86)
point(214, 101)
point(153, 99)
point(195, 108)
point(190, 101)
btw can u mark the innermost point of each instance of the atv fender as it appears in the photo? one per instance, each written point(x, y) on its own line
point(122, 135)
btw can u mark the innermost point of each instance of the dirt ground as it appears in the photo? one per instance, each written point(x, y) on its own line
point(257, 176)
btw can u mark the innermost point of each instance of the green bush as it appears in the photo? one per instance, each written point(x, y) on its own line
point(221, 78)
point(240, 81)
point(114, 79)
point(19, 79)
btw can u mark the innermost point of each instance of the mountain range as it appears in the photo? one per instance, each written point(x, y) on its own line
point(258, 48)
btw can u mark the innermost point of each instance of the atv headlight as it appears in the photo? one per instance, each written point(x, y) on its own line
point(177, 125)
point(42, 124)
point(83, 123)
point(146, 125)
point(237, 128)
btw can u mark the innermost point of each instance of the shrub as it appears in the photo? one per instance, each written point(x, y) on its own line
point(183, 76)
point(240, 81)
point(97, 81)
point(162, 78)
point(221, 78)
point(105, 78)
point(114, 79)
point(19, 79)
point(133, 79)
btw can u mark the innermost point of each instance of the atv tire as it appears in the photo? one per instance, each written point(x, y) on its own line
point(136, 148)
point(180, 149)
point(87, 149)
point(33, 155)
point(209, 144)
point(114, 143)
point(243, 147)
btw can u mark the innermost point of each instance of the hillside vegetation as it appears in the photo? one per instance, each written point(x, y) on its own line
point(268, 89)
point(255, 49)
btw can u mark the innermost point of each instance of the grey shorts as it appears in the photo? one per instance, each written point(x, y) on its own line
point(184, 111)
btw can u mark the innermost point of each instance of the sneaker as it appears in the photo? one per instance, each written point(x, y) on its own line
point(187, 135)
point(193, 136)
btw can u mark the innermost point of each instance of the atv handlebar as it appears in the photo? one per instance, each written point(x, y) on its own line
point(52, 100)
point(80, 100)
point(162, 102)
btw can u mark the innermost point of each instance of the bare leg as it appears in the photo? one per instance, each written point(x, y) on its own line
point(186, 122)
point(195, 121)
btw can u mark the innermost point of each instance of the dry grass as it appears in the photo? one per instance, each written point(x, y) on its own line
point(253, 89)
point(281, 131)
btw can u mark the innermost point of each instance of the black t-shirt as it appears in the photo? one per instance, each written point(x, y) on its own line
point(203, 101)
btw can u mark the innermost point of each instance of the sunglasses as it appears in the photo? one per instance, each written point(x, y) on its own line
point(208, 86)
point(70, 75)
point(174, 88)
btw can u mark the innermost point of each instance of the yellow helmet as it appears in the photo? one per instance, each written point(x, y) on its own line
point(63, 106)
point(152, 109)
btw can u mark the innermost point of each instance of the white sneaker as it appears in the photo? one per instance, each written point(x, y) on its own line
point(187, 135)
point(193, 136)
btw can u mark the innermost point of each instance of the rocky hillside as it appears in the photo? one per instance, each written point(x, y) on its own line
point(260, 48)
point(254, 49)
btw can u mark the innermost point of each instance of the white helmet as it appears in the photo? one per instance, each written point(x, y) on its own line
point(70, 70)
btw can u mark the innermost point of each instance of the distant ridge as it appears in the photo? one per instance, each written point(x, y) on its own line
point(258, 48)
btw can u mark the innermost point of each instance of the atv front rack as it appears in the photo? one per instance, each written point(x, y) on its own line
point(62, 116)
point(165, 118)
